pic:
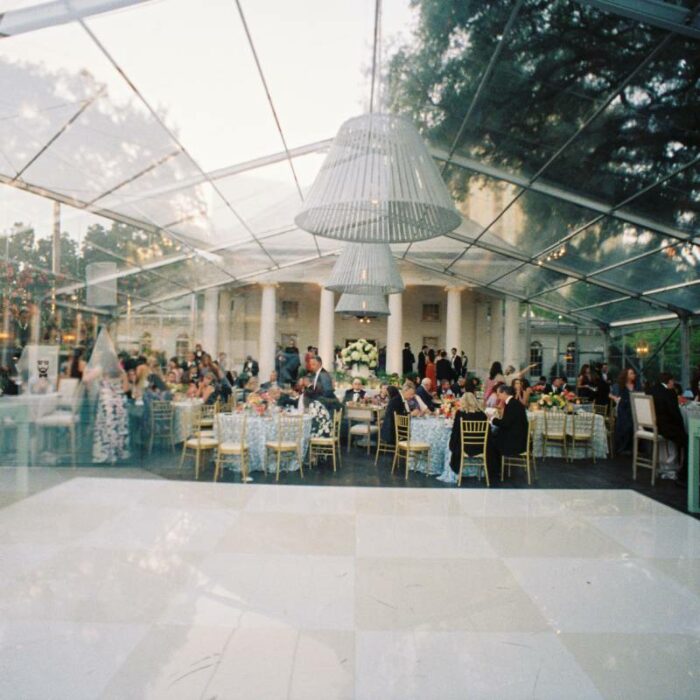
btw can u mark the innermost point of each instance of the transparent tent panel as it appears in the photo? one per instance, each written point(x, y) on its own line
point(629, 310)
point(579, 295)
point(684, 297)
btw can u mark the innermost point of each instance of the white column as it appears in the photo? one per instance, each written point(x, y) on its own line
point(326, 329)
point(453, 330)
point(210, 323)
point(482, 349)
point(511, 334)
point(268, 330)
point(394, 356)
point(496, 332)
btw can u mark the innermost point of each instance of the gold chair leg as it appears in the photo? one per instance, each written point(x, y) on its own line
point(461, 469)
point(393, 462)
point(503, 467)
point(486, 472)
point(301, 465)
point(635, 452)
point(279, 461)
point(408, 457)
point(216, 466)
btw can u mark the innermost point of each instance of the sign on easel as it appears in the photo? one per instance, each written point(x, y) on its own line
point(38, 369)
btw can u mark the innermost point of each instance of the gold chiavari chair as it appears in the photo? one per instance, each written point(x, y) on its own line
point(473, 433)
point(234, 444)
point(162, 418)
point(555, 424)
point(525, 460)
point(290, 430)
point(200, 443)
point(382, 447)
point(405, 447)
point(583, 433)
point(327, 446)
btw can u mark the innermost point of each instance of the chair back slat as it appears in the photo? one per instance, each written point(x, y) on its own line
point(474, 433)
point(231, 427)
point(402, 428)
point(359, 414)
point(583, 425)
point(555, 422)
point(290, 427)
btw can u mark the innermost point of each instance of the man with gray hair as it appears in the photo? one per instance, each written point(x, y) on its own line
point(423, 392)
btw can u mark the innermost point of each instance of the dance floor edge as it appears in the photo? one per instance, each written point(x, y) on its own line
point(143, 587)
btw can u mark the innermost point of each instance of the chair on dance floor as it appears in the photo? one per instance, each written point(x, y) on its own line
point(233, 446)
point(405, 448)
point(290, 430)
point(70, 420)
point(555, 424)
point(360, 424)
point(474, 433)
point(645, 429)
point(583, 434)
point(201, 442)
point(162, 418)
point(525, 460)
point(327, 446)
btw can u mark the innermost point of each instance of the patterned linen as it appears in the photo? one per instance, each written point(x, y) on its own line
point(259, 430)
point(111, 437)
point(184, 414)
point(600, 440)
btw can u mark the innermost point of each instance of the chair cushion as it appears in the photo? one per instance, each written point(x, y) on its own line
point(556, 436)
point(361, 429)
point(414, 445)
point(204, 443)
point(57, 419)
point(322, 440)
point(285, 446)
point(644, 434)
point(233, 447)
point(206, 433)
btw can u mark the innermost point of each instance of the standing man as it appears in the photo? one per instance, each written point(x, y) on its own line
point(408, 359)
point(320, 382)
point(456, 363)
point(422, 359)
point(443, 368)
point(251, 367)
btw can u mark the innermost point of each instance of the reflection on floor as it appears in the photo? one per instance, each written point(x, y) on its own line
point(152, 588)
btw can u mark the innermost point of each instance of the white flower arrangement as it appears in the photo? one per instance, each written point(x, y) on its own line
point(360, 352)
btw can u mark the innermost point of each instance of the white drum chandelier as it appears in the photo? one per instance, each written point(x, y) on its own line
point(362, 305)
point(378, 184)
point(365, 269)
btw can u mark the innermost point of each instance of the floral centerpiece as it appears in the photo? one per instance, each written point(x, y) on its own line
point(557, 401)
point(449, 406)
point(257, 402)
point(361, 356)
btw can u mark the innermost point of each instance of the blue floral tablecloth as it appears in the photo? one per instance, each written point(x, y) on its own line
point(259, 430)
point(183, 415)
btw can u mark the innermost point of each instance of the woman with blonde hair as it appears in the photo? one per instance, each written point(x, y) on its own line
point(469, 410)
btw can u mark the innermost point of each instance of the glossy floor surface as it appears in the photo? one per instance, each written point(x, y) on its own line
point(125, 587)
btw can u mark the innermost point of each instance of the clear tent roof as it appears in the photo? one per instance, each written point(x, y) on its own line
point(181, 138)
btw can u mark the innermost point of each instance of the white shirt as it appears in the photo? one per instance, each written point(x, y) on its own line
point(421, 403)
point(300, 403)
point(316, 377)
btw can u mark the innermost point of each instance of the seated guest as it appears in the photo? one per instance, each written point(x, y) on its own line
point(207, 389)
point(415, 403)
point(460, 387)
point(584, 383)
point(355, 393)
point(469, 410)
point(546, 386)
point(382, 398)
point(559, 385)
point(510, 439)
point(192, 389)
point(423, 391)
point(266, 386)
point(669, 420)
point(521, 391)
point(251, 386)
point(398, 404)
point(445, 389)
point(493, 400)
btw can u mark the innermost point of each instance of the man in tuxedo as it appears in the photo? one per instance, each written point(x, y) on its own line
point(355, 393)
point(266, 386)
point(669, 420)
point(547, 387)
point(422, 359)
point(251, 367)
point(510, 439)
point(443, 368)
point(398, 405)
point(408, 359)
point(445, 389)
point(456, 364)
point(558, 385)
point(320, 382)
point(465, 363)
point(605, 373)
point(423, 391)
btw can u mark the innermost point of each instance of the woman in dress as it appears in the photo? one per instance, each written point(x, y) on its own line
point(495, 378)
point(469, 410)
point(624, 425)
point(584, 383)
point(77, 364)
point(522, 391)
point(430, 369)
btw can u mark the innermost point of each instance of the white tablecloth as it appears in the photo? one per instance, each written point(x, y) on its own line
point(182, 421)
point(38, 405)
point(259, 430)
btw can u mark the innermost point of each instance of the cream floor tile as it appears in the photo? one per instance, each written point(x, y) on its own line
point(547, 537)
point(163, 529)
point(442, 594)
point(52, 523)
point(171, 661)
point(242, 590)
point(94, 585)
point(507, 503)
point(403, 502)
point(301, 499)
point(17, 560)
point(686, 572)
point(609, 502)
point(62, 660)
point(639, 666)
point(27, 480)
point(186, 494)
point(290, 533)
point(418, 537)
point(605, 595)
point(278, 663)
point(458, 665)
point(95, 491)
point(660, 537)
